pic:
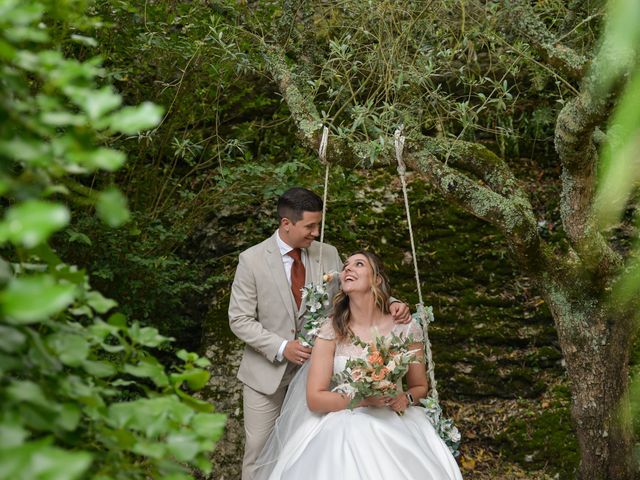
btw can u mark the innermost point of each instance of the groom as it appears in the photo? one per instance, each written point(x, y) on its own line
point(266, 308)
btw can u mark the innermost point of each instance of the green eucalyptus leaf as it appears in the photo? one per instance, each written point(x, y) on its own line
point(32, 222)
point(35, 298)
point(112, 207)
point(131, 120)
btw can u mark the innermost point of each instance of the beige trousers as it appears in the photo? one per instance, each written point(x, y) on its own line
point(260, 414)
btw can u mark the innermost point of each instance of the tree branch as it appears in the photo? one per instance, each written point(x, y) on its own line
point(574, 141)
point(495, 197)
point(523, 20)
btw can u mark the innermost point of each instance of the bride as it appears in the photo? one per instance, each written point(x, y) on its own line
point(318, 437)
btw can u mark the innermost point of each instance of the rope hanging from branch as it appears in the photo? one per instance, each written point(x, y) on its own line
point(426, 317)
point(322, 153)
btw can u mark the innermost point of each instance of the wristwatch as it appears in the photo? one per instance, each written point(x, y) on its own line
point(409, 397)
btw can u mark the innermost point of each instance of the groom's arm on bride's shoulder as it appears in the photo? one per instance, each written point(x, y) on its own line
point(400, 311)
point(320, 398)
point(243, 313)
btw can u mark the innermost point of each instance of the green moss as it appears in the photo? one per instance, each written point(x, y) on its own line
point(545, 440)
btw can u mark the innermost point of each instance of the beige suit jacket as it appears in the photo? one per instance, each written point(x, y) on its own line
point(263, 312)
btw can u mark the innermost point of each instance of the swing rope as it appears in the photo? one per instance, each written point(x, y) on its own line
point(322, 153)
point(425, 317)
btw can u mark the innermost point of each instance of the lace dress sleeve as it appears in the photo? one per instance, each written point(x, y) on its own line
point(412, 329)
point(326, 331)
point(416, 331)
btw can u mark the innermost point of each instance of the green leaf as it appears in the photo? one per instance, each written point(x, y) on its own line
point(12, 435)
point(37, 461)
point(27, 391)
point(97, 103)
point(202, 362)
point(32, 222)
point(148, 369)
point(78, 237)
point(112, 207)
point(183, 446)
point(26, 150)
point(131, 120)
point(35, 298)
point(99, 368)
point(11, 339)
point(71, 349)
point(68, 417)
point(86, 41)
point(196, 378)
point(209, 425)
point(153, 416)
point(100, 158)
point(147, 336)
point(100, 303)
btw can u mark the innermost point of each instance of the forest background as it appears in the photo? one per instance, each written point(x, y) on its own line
point(206, 162)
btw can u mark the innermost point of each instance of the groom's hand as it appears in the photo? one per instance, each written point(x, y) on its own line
point(400, 312)
point(296, 353)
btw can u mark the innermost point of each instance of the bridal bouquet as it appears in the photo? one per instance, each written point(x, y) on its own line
point(317, 306)
point(385, 362)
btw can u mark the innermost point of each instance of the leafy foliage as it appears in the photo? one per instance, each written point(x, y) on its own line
point(83, 394)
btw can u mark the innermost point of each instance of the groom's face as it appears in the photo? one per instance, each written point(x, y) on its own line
point(304, 231)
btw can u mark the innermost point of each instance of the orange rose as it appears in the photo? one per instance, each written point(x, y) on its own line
point(380, 375)
point(375, 358)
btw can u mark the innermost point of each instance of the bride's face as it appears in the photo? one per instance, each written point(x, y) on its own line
point(356, 274)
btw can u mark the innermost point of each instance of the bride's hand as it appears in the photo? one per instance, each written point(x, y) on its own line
point(378, 402)
point(399, 403)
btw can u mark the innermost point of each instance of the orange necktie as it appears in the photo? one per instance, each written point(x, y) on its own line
point(297, 275)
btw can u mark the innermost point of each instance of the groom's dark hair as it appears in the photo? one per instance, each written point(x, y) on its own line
point(297, 200)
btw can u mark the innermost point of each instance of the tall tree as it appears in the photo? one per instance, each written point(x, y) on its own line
point(458, 75)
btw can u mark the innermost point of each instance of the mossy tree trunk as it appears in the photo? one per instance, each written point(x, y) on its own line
point(595, 338)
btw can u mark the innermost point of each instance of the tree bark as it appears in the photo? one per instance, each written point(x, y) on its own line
point(595, 342)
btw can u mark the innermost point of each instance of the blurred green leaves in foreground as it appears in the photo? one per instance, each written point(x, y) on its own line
point(83, 395)
point(618, 65)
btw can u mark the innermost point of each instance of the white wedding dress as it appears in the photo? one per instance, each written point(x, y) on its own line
point(359, 444)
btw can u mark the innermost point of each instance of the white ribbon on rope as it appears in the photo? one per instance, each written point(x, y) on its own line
point(425, 317)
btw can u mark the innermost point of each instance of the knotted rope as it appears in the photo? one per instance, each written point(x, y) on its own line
point(426, 317)
point(322, 153)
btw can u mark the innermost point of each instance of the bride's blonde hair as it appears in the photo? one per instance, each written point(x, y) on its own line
point(380, 291)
